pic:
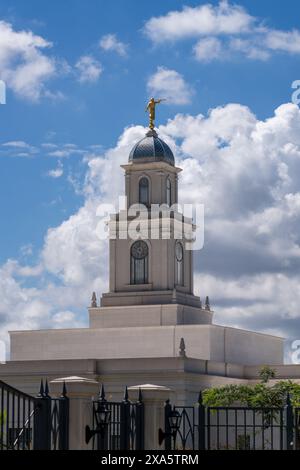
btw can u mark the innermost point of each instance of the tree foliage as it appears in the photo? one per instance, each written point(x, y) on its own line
point(261, 395)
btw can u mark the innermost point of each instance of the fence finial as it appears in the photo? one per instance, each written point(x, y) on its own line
point(64, 390)
point(140, 397)
point(41, 392)
point(126, 396)
point(200, 398)
point(102, 393)
point(46, 389)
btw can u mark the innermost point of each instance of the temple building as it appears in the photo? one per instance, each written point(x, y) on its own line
point(149, 328)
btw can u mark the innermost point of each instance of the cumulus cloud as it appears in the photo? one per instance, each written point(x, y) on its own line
point(227, 27)
point(202, 20)
point(245, 172)
point(73, 262)
point(170, 85)
point(110, 42)
point(208, 49)
point(288, 41)
point(24, 65)
point(250, 48)
point(243, 169)
point(89, 69)
point(56, 172)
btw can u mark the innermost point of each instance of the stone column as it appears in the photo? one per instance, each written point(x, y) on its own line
point(154, 398)
point(80, 392)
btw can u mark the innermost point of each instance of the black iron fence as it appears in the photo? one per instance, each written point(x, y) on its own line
point(27, 423)
point(240, 428)
point(117, 425)
point(231, 428)
point(16, 418)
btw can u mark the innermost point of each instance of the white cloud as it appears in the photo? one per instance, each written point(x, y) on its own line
point(89, 69)
point(17, 144)
point(48, 145)
point(208, 49)
point(252, 49)
point(24, 66)
point(64, 319)
point(56, 172)
point(110, 42)
point(18, 148)
point(202, 20)
point(171, 85)
point(244, 170)
point(225, 30)
point(286, 41)
point(24, 149)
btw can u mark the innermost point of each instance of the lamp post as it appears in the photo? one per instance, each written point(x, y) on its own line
point(174, 423)
point(102, 416)
point(173, 426)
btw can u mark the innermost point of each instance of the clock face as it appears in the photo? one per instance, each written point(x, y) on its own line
point(139, 250)
point(179, 251)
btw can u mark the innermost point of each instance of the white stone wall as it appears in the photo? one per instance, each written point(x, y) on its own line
point(208, 342)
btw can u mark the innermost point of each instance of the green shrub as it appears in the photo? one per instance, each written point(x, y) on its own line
point(254, 396)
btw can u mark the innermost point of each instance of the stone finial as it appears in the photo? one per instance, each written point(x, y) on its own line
point(207, 303)
point(182, 348)
point(94, 300)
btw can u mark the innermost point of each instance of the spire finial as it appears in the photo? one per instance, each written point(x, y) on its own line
point(207, 303)
point(94, 300)
point(182, 348)
point(151, 109)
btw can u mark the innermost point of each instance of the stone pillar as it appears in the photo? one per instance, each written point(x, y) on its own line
point(154, 398)
point(80, 392)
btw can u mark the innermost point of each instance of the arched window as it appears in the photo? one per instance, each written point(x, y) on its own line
point(139, 263)
point(168, 186)
point(144, 191)
point(179, 264)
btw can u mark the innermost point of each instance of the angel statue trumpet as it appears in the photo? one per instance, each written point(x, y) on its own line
point(151, 109)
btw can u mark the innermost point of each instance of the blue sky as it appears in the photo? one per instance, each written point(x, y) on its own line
point(96, 113)
point(97, 61)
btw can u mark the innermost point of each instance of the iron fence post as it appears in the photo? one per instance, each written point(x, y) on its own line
point(140, 426)
point(125, 423)
point(289, 423)
point(42, 420)
point(102, 435)
point(63, 443)
point(168, 435)
point(201, 423)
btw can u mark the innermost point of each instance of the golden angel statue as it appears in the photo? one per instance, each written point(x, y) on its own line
point(151, 109)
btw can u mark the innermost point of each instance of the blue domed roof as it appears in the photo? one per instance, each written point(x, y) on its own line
point(151, 149)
